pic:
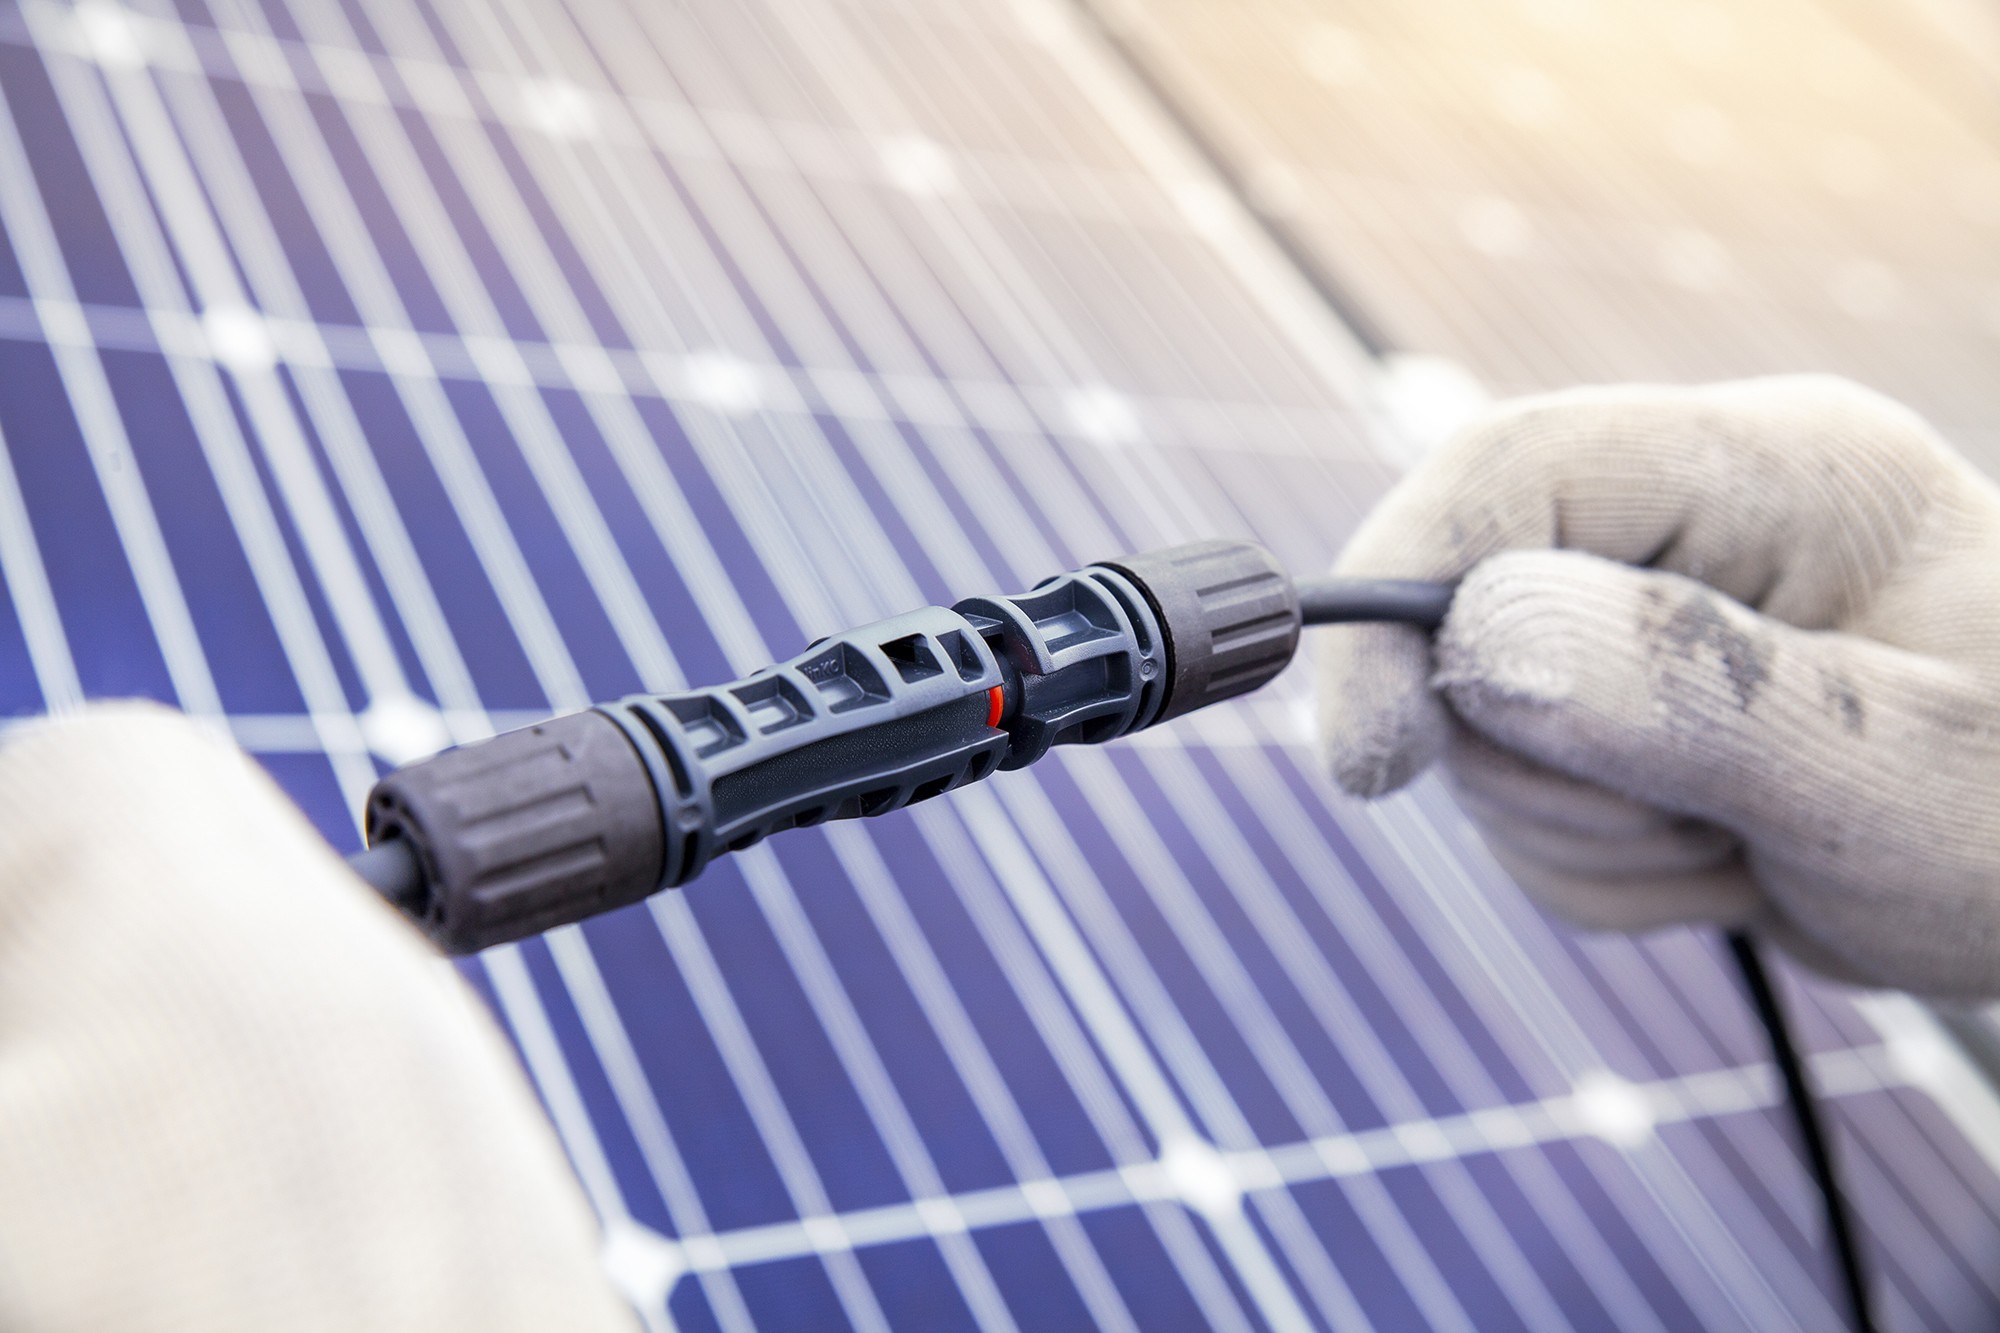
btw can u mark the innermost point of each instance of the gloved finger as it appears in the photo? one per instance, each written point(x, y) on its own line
point(1798, 495)
point(1907, 914)
point(1672, 847)
point(1723, 895)
point(1598, 859)
point(1832, 753)
point(1795, 494)
point(240, 1093)
point(1537, 819)
point(1379, 722)
point(1771, 925)
point(1516, 788)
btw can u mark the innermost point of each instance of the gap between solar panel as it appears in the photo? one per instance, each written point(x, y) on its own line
point(576, 816)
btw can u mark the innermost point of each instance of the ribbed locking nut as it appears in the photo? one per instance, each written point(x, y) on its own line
point(1230, 615)
point(525, 831)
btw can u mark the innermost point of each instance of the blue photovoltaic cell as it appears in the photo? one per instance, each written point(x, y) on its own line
point(383, 374)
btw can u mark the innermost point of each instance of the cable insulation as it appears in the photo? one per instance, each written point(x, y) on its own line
point(1346, 601)
point(1812, 1133)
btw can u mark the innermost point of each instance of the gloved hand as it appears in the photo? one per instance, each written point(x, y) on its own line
point(1728, 655)
point(236, 1091)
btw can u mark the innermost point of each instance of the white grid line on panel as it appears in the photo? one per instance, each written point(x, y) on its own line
point(524, 1014)
point(650, 1131)
point(81, 371)
point(300, 642)
point(542, 1053)
point(897, 1133)
point(236, 340)
point(848, 1280)
point(1493, 1131)
point(26, 577)
point(115, 176)
point(419, 385)
point(561, 109)
point(1273, 1297)
point(717, 381)
point(1367, 934)
point(230, 330)
point(1491, 955)
point(1187, 1047)
point(1743, 1271)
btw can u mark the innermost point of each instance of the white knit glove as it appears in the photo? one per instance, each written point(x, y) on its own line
point(236, 1093)
point(1637, 744)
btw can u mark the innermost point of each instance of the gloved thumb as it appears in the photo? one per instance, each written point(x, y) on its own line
point(1820, 748)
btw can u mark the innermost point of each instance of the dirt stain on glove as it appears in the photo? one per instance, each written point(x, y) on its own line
point(1692, 626)
point(1843, 701)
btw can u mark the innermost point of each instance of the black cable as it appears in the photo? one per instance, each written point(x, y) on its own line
point(1337, 601)
point(1342, 601)
point(1812, 1133)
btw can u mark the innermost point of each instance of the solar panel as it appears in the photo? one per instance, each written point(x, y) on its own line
point(1550, 191)
point(378, 375)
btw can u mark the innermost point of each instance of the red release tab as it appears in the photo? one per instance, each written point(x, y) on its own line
point(994, 700)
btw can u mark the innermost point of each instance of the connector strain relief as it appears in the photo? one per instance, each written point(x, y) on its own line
point(1230, 615)
point(531, 829)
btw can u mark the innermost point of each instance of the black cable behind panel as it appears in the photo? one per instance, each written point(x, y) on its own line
point(1812, 1133)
